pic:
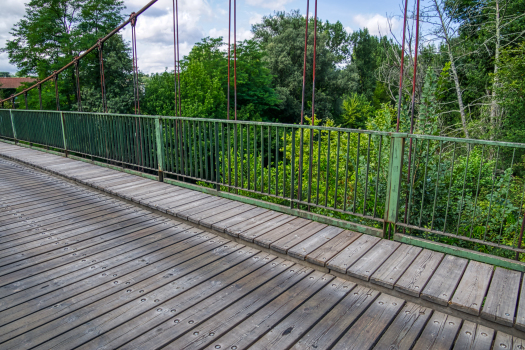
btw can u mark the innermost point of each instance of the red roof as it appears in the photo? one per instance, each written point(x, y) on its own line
point(14, 83)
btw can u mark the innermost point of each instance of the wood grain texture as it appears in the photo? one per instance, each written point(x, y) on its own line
point(445, 280)
point(328, 330)
point(348, 256)
point(416, 277)
point(301, 250)
point(296, 237)
point(502, 298)
point(365, 333)
point(406, 328)
point(474, 337)
point(472, 288)
point(331, 248)
point(439, 333)
point(285, 229)
point(373, 259)
point(393, 268)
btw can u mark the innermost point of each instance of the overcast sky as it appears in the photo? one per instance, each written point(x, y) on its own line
point(202, 18)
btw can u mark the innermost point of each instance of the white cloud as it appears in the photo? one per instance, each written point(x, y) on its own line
point(12, 12)
point(255, 18)
point(269, 4)
point(349, 30)
point(376, 24)
point(155, 31)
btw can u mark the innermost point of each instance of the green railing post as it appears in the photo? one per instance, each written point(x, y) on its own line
point(395, 169)
point(160, 149)
point(13, 125)
point(63, 132)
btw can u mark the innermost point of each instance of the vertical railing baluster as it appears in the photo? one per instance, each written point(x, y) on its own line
point(327, 184)
point(292, 189)
point(337, 168)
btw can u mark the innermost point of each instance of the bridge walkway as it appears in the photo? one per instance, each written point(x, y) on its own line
point(81, 268)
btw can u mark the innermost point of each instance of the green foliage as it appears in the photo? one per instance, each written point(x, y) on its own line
point(282, 38)
point(53, 32)
point(204, 84)
point(357, 111)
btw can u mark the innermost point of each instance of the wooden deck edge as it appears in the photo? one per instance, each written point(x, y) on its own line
point(440, 308)
point(348, 225)
point(461, 252)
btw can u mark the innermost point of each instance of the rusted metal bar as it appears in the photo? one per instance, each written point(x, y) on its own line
point(235, 57)
point(56, 91)
point(229, 54)
point(178, 55)
point(77, 73)
point(401, 71)
point(413, 105)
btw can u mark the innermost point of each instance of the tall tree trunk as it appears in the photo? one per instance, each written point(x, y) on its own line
point(454, 71)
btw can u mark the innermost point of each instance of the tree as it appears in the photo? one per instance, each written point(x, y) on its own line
point(282, 37)
point(204, 84)
point(52, 32)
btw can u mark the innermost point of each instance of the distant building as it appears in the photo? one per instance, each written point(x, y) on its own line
point(14, 83)
point(8, 85)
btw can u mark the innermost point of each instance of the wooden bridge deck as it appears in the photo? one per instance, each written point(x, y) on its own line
point(81, 269)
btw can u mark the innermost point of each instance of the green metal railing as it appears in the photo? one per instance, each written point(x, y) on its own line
point(466, 193)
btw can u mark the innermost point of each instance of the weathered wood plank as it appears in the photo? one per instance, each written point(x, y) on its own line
point(328, 330)
point(348, 256)
point(203, 215)
point(365, 333)
point(242, 278)
point(416, 277)
point(293, 327)
point(474, 337)
point(445, 280)
point(503, 341)
point(238, 218)
point(472, 288)
point(249, 331)
point(304, 248)
point(393, 268)
point(287, 228)
point(440, 332)
point(406, 328)
point(266, 226)
point(502, 297)
point(254, 221)
point(211, 221)
point(282, 245)
point(373, 259)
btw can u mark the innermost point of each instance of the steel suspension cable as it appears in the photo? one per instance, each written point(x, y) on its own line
point(304, 60)
point(178, 55)
point(174, 57)
point(413, 105)
point(136, 84)
point(77, 74)
point(401, 71)
point(56, 91)
point(235, 56)
point(315, 53)
point(229, 54)
point(39, 95)
point(301, 136)
point(102, 78)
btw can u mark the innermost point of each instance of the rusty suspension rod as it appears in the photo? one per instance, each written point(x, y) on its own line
point(413, 105)
point(401, 71)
